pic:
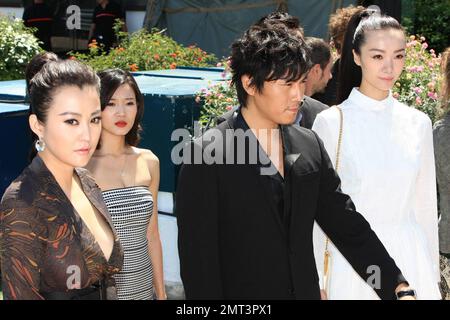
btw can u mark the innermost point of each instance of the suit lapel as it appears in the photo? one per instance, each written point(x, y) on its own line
point(291, 156)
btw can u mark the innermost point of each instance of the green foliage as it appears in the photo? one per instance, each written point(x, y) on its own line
point(430, 19)
point(217, 98)
point(17, 46)
point(144, 50)
point(420, 79)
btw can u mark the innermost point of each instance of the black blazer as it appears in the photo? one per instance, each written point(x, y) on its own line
point(232, 243)
point(309, 109)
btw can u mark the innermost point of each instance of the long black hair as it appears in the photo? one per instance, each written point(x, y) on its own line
point(355, 36)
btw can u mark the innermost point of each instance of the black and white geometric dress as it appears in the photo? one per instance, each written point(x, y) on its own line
point(131, 209)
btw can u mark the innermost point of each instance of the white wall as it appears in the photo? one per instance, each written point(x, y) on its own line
point(168, 232)
point(17, 12)
point(135, 19)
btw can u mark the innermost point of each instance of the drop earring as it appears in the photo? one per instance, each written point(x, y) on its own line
point(39, 145)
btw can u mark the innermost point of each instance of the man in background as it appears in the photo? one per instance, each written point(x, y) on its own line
point(102, 28)
point(40, 17)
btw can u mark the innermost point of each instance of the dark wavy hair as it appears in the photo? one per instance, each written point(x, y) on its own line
point(281, 19)
point(267, 54)
point(51, 76)
point(320, 51)
point(355, 36)
point(111, 80)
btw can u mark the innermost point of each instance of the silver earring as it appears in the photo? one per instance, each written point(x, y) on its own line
point(39, 145)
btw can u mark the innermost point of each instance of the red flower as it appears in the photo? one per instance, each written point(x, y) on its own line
point(134, 67)
point(199, 59)
point(173, 65)
point(156, 56)
point(173, 55)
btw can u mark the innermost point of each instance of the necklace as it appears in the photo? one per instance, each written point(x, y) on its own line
point(122, 172)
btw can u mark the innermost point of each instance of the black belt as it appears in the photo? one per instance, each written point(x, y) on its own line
point(96, 291)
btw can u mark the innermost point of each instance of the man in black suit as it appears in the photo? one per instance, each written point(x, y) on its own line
point(250, 190)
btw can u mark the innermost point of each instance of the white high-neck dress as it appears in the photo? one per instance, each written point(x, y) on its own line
point(387, 167)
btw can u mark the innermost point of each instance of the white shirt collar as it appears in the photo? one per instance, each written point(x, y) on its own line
point(363, 101)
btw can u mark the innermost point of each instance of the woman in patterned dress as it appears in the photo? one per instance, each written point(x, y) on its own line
point(57, 240)
point(129, 179)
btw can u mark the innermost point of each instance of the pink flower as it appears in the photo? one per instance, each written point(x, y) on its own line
point(417, 90)
point(229, 108)
point(223, 74)
point(396, 95)
point(418, 101)
point(432, 51)
point(431, 85)
point(220, 96)
point(419, 68)
point(219, 64)
point(422, 38)
point(432, 95)
point(197, 99)
point(424, 45)
point(431, 65)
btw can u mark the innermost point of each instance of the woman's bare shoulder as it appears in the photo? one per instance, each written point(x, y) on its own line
point(147, 155)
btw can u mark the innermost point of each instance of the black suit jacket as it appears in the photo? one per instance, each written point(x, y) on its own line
point(309, 109)
point(233, 244)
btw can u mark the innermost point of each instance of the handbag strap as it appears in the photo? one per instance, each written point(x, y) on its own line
point(338, 154)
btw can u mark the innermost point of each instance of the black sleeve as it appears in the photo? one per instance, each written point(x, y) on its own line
point(352, 234)
point(197, 212)
point(94, 15)
point(26, 16)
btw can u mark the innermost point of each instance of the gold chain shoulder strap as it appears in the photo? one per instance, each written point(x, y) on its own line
point(327, 256)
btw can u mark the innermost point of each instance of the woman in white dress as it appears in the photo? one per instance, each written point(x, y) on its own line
point(386, 161)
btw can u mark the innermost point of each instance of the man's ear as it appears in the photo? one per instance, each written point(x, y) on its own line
point(316, 71)
point(247, 84)
point(36, 126)
point(356, 58)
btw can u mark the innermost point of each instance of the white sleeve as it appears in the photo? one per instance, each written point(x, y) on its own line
point(426, 197)
point(321, 127)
